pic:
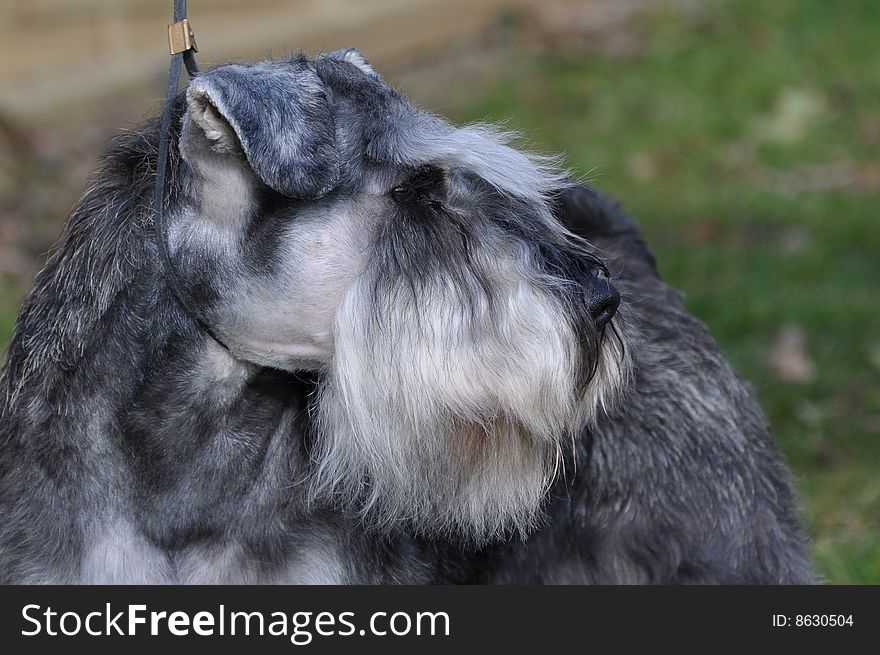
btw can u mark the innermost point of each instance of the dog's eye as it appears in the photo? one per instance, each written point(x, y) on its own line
point(404, 194)
point(426, 185)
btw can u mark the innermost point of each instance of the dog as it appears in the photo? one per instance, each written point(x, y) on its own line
point(382, 349)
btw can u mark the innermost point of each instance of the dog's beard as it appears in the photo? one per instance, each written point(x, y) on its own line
point(446, 409)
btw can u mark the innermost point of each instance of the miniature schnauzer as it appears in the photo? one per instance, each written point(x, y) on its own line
point(383, 349)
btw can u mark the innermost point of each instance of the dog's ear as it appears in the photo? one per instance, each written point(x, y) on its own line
point(273, 114)
point(354, 57)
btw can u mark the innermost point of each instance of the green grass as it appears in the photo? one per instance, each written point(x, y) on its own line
point(718, 138)
point(9, 301)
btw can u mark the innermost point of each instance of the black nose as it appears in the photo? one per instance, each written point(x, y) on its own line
point(604, 299)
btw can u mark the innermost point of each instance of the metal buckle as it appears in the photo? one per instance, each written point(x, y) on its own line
point(181, 37)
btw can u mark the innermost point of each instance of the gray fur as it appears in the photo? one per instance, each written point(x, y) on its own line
point(281, 118)
point(422, 382)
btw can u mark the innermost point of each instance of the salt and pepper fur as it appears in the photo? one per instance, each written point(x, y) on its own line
point(419, 386)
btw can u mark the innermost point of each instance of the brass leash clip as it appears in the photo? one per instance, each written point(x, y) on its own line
point(181, 37)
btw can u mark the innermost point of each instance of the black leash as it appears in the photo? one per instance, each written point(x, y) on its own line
point(182, 45)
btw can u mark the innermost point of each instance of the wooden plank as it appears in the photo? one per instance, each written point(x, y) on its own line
point(57, 52)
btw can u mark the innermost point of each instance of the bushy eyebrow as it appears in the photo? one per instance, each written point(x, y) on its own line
point(483, 150)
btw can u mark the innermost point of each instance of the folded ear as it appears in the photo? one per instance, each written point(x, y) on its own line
point(354, 57)
point(276, 114)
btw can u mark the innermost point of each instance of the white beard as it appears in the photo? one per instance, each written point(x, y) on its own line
point(448, 417)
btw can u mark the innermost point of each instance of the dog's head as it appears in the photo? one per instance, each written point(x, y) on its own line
point(459, 331)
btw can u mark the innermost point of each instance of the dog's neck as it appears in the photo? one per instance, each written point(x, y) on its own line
point(121, 411)
point(215, 439)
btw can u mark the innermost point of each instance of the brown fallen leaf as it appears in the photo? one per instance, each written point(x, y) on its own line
point(641, 167)
point(788, 357)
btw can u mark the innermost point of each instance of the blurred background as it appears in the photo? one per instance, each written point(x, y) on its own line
point(744, 135)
